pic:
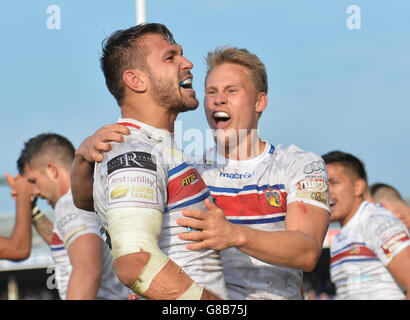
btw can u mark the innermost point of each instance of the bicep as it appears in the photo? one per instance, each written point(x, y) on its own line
point(82, 184)
point(85, 252)
point(311, 220)
point(399, 267)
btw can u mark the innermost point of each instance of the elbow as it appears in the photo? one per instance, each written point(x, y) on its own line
point(16, 254)
point(24, 253)
point(129, 267)
point(310, 259)
point(81, 204)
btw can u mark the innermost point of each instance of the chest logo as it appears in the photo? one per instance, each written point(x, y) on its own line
point(274, 198)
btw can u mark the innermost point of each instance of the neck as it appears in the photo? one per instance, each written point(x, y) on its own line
point(247, 147)
point(356, 204)
point(64, 183)
point(150, 114)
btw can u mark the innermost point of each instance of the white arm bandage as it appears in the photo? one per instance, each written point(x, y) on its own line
point(138, 229)
point(135, 230)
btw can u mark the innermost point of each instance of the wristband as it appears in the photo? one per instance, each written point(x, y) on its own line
point(36, 213)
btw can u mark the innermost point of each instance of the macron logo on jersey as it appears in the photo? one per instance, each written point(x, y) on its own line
point(245, 175)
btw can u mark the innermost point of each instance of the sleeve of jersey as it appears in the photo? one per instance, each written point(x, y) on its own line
point(135, 178)
point(73, 223)
point(386, 236)
point(307, 181)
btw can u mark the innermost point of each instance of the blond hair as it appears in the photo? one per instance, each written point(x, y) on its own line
point(242, 57)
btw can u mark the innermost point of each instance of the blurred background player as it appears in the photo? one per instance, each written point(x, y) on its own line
point(141, 186)
point(391, 199)
point(370, 257)
point(83, 261)
point(18, 245)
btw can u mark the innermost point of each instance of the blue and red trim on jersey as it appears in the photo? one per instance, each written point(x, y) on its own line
point(353, 252)
point(250, 204)
point(56, 243)
point(183, 192)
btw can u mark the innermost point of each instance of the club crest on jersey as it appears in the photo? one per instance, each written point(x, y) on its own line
point(354, 249)
point(189, 179)
point(274, 198)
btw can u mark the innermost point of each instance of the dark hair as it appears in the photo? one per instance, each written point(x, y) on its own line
point(123, 50)
point(58, 147)
point(380, 191)
point(348, 161)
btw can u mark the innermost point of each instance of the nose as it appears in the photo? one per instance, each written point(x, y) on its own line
point(220, 99)
point(186, 64)
point(36, 192)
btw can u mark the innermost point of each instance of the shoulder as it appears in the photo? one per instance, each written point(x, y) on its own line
point(134, 152)
point(377, 219)
point(292, 154)
point(65, 205)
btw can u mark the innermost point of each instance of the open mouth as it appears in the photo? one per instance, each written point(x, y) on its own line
point(332, 203)
point(186, 84)
point(221, 117)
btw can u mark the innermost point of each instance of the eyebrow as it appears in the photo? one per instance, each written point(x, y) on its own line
point(224, 88)
point(174, 51)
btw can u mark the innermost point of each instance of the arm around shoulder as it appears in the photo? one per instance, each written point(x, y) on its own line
point(82, 183)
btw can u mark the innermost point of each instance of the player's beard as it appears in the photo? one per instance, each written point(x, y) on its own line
point(169, 95)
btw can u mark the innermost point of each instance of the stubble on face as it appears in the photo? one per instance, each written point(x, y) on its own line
point(168, 95)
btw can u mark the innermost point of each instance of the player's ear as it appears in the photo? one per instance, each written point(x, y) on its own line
point(360, 187)
point(261, 102)
point(52, 170)
point(135, 79)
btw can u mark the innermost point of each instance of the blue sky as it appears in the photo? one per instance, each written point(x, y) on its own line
point(330, 87)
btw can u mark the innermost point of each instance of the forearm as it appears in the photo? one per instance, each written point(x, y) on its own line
point(288, 248)
point(83, 284)
point(82, 183)
point(168, 283)
point(18, 245)
point(44, 227)
point(139, 262)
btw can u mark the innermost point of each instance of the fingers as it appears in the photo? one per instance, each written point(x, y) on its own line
point(210, 205)
point(194, 213)
point(97, 157)
point(191, 223)
point(116, 127)
point(100, 146)
point(9, 179)
point(111, 136)
point(194, 236)
point(196, 246)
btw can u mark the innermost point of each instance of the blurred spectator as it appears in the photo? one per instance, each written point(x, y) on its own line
point(391, 199)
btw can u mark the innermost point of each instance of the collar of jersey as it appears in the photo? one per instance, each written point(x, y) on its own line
point(357, 214)
point(214, 156)
point(150, 131)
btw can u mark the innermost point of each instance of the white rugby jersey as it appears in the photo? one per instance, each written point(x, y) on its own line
point(255, 193)
point(361, 251)
point(147, 171)
point(69, 224)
